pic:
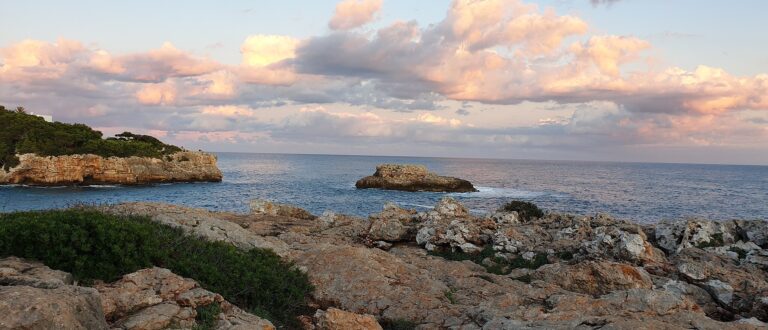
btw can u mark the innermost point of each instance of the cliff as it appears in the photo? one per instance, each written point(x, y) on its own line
point(92, 169)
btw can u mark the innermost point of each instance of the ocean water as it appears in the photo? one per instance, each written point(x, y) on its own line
point(635, 191)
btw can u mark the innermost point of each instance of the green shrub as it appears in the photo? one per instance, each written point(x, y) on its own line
point(526, 210)
point(717, 240)
point(96, 246)
point(498, 266)
point(207, 316)
point(741, 252)
point(397, 324)
point(23, 133)
point(449, 295)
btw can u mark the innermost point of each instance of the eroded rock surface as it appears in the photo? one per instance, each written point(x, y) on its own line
point(412, 178)
point(155, 298)
point(186, 166)
point(336, 319)
point(33, 296)
point(585, 271)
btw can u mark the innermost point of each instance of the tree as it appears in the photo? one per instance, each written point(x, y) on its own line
point(21, 110)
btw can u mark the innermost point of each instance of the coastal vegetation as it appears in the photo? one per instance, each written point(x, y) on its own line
point(492, 263)
point(26, 133)
point(96, 246)
point(526, 210)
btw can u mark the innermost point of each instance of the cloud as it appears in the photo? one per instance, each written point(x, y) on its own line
point(157, 94)
point(603, 2)
point(350, 14)
point(491, 75)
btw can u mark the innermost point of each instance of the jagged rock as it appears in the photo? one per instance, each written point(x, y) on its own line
point(449, 207)
point(336, 319)
point(450, 226)
point(674, 236)
point(327, 219)
point(755, 231)
point(505, 218)
point(155, 298)
point(696, 294)
point(260, 206)
point(617, 243)
point(372, 281)
point(595, 278)
point(736, 286)
point(722, 291)
point(186, 166)
point(33, 296)
point(412, 178)
point(406, 283)
point(393, 224)
point(692, 271)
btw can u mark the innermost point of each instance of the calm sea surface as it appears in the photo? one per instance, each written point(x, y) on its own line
point(635, 191)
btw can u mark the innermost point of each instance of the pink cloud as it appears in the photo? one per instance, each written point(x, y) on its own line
point(350, 14)
point(157, 94)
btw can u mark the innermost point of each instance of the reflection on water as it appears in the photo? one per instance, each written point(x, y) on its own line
point(641, 192)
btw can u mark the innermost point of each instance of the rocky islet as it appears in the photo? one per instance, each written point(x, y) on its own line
point(412, 178)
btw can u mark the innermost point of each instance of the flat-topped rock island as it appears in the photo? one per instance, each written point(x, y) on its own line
point(412, 178)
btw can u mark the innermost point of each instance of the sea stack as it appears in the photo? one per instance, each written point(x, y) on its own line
point(412, 178)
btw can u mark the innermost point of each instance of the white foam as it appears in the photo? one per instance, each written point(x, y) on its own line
point(417, 205)
point(491, 192)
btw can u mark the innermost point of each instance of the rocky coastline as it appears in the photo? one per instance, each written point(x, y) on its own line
point(184, 166)
point(447, 268)
point(412, 178)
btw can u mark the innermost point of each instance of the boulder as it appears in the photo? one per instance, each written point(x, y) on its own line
point(260, 206)
point(594, 277)
point(674, 236)
point(393, 224)
point(33, 296)
point(336, 319)
point(155, 298)
point(412, 178)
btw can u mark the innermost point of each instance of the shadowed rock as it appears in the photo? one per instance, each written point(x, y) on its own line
point(412, 178)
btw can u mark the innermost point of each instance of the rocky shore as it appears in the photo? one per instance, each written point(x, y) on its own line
point(412, 178)
point(185, 166)
point(449, 269)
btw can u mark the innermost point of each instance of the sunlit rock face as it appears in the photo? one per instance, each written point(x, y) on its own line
point(412, 178)
point(184, 166)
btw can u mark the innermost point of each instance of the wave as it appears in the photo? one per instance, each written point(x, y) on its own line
point(492, 192)
point(430, 207)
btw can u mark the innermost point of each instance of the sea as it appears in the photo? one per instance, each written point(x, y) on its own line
point(640, 192)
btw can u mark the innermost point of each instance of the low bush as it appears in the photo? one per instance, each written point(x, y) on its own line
point(96, 246)
point(526, 210)
point(207, 316)
point(497, 265)
point(397, 324)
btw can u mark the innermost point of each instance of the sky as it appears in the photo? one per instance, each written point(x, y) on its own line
point(606, 80)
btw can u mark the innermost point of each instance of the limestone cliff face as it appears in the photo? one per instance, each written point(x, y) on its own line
point(92, 169)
